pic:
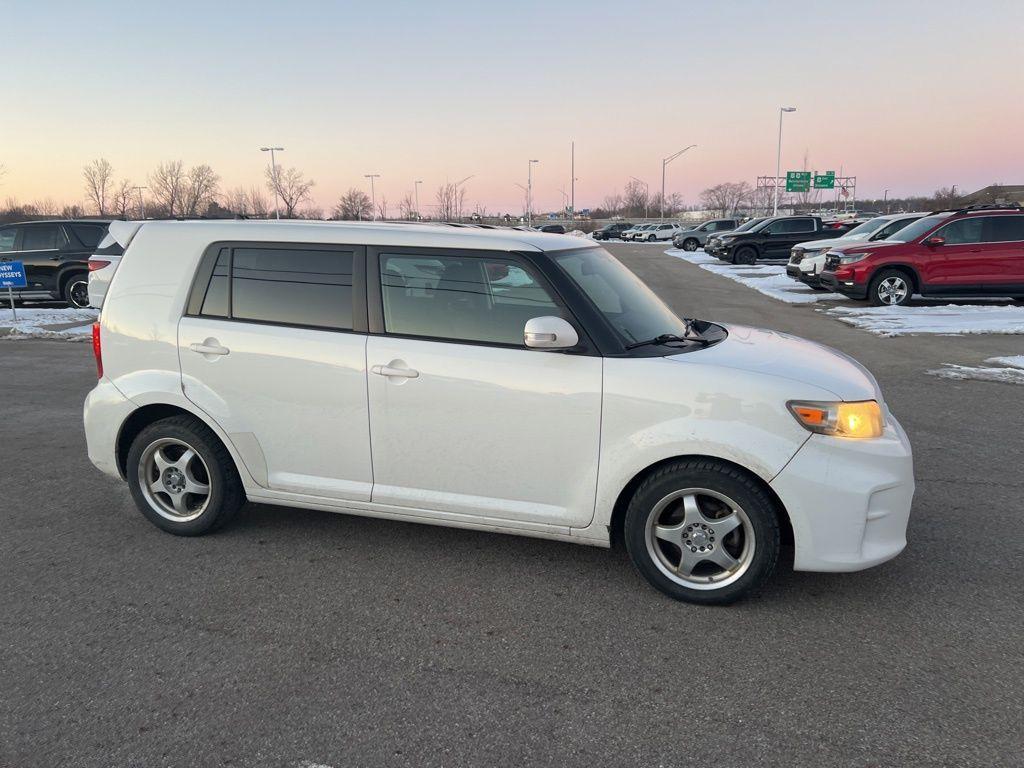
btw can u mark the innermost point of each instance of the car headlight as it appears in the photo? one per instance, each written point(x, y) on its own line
point(852, 258)
point(859, 419)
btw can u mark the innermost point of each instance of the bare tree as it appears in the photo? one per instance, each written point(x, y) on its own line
point(613, 203)
point(73, 211)
point(354, 205)
point(407, 207)
point(636, 201)
point(99, 178)
point(47, 206)
point(259, 203)
point(291, 186)
point(237, 201)
point(728, 197)
point(312, 212)
point(382, 208)
point(124, 199)
point(199, 189)
point(945, 197)
point(167, 184)
point(450, 202)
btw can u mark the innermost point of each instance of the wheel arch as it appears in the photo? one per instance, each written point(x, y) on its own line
point(145, 415)
point(909, 271)
point(616, 523)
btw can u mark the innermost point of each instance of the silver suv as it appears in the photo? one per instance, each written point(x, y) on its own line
point(692, 238)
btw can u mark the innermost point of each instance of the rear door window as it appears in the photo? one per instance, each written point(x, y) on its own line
point(293, 286)
point(89, 234)
point(42, 237)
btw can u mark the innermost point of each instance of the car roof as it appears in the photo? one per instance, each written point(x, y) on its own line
point(57, 221)
point(370, 233)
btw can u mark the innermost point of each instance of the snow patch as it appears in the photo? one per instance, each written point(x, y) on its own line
point(38, 323)
point(1009, 370)
point(945, 319)
point(769, 279)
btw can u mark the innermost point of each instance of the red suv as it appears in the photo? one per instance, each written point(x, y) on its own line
point(976, 251)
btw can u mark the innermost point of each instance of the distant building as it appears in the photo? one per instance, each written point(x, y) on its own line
point(995, 193)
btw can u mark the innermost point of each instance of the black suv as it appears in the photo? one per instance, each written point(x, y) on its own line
point(56, 256)
point(612, 231)
point(771, 239)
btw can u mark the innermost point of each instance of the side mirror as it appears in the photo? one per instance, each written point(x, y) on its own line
point(934, 241)
point(550, 333)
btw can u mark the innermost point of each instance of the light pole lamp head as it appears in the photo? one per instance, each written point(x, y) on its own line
point(271, 149)
point(788, 109)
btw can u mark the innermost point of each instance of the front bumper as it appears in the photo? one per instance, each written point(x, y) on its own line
point(833, 283)
point(104, 412)
point(848, 500)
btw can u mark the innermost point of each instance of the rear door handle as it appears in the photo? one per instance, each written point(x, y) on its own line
point(209, 347)
point(388, 370)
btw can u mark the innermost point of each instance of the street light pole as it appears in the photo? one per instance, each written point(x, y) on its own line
point(273, 176)
point(142, 202)
point(664, 164)
point(572, 175)
point(529, 192)
point(885, 199)
point(778, 160)
point(647, 193)
point(373, 193)
point(416, 191)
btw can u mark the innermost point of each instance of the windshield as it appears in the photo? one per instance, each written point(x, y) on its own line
point(629, 306)
point(747, 225)
point(916, 229)
point(867, 228)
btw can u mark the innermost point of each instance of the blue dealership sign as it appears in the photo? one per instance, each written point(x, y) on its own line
point(12, 275)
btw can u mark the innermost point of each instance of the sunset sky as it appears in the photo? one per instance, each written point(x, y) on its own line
point(908, 96)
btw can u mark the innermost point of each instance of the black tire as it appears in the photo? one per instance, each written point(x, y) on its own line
point(749, 496)
point(225, 493)
point(691, 244)
point(651, 238)
point(890, 287)
point(745, 255)
point(75, 291)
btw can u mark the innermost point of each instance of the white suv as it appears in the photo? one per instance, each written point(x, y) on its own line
point(659, 232)
point(492, 379)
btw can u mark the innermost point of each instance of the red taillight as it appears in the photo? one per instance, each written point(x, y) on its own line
point(97, 350)
point(95, 264)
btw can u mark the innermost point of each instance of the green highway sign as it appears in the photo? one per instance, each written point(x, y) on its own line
point(826, 180)
point(798, 181)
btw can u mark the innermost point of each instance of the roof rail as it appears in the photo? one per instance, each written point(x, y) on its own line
point(986, 207)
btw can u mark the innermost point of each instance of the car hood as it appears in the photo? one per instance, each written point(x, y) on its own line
point(770, 353)
point(835, 242)
point(864, 247)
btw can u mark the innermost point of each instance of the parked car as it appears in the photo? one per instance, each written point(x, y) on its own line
point(658, 232)
point(773, 238)
point(692, 238)
point(630, 234)
point(713, 245)
point(807, 260)
point(103, 263)
point(553, 229)
point(55, 254)
point(490, 379)
point(612, 231)
point(974, 251)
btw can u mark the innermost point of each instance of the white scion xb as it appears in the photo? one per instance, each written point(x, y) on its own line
point(492, 379)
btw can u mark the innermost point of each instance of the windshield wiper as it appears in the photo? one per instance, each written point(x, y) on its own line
point(690, 334)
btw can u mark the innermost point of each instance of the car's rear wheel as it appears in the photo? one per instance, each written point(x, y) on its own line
point(702, 531)
point(651, 238)
point(76, 290)
point(690, 244)
point(890, 287)
point(745, 255)
point(182, 477)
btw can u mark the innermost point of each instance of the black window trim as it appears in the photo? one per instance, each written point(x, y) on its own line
point(208, 261)
point(375, 296)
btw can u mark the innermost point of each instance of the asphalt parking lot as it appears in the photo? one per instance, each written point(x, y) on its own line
point(301, 638)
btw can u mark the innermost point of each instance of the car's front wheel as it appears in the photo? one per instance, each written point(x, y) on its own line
point(890, 287)
point(702, 531)
point(745, 255)
point(182, 477)
point(690, 244)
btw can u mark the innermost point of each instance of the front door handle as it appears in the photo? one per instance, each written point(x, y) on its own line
point(390, 370)
point(209, 347)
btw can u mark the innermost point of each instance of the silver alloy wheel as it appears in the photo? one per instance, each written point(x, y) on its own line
point(690, 245)
point(174, 479)
point(700, 539)
point(892, 290)
point(78, 294)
